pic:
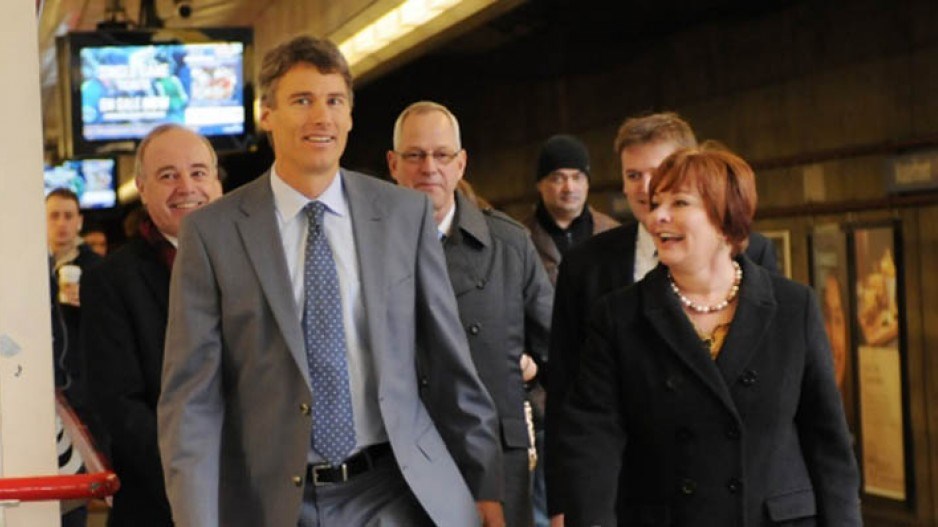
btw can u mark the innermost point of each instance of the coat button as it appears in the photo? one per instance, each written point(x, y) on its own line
point(732, 431)
point(424, 382)
point(688, 487)
point(297, 481)
point(734, 485)
point(304, 408)
point(672, 383)
point(474, 329)
point(480, 284)
point(748, 378)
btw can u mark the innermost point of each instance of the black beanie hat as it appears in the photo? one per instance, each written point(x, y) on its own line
point(562, 151)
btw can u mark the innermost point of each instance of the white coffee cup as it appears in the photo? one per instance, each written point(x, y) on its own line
point(69, 276)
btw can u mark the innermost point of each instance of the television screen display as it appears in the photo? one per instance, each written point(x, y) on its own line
point(127, 90)
point(123, 84)
point(93, 180)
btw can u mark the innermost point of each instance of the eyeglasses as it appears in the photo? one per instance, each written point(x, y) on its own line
point(417, 157)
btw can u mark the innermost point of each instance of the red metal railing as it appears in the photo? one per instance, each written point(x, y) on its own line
point(99, 482)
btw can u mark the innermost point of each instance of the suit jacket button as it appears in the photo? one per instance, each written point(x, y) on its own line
point(304, 408)
point(748, 378)
point(474, 329)
point(734, 485)
point(688, 487)
point(297, 481)
point(480, 284)
point(424, 382)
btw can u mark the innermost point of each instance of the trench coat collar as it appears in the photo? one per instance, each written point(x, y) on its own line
point(469, 249)
point(470, 221)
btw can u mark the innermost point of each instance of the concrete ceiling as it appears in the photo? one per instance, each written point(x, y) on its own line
point(58, 17)
point(541, 38)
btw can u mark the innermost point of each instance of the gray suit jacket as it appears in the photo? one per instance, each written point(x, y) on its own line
point(234, 435)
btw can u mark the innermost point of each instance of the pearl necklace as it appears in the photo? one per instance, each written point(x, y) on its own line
point(719, 306)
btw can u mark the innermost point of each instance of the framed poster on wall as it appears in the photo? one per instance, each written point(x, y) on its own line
point(877, 300)
point(828, 272)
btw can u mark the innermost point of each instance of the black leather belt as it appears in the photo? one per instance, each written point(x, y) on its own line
point(327, 474)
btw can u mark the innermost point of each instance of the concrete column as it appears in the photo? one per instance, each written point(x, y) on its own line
point(27, 425)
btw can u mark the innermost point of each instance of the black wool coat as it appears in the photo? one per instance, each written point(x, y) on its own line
point(757, 437)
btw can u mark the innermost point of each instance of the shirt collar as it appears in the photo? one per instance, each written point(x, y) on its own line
point(645, 243)
point(290, 202)
point(446, 225)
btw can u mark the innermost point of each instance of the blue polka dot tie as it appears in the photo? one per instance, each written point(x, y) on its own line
point(333, 425)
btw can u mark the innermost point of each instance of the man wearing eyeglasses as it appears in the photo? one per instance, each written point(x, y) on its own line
point(503, 293)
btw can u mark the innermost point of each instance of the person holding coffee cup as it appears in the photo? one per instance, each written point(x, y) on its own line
point(69, 257)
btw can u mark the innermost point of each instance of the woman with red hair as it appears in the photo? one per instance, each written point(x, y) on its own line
point(706, 395)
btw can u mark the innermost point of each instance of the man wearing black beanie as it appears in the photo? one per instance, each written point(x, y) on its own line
point(562, 219)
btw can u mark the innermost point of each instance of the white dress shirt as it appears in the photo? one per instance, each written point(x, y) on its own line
point(446, 225)
point(337, 223)
point(646, 255)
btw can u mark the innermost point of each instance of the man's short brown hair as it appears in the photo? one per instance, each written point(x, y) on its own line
point(726, 183)
point(321, 53)
point(63, 193)
point(654, 128)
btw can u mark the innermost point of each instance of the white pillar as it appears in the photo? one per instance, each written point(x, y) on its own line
point(27, 426)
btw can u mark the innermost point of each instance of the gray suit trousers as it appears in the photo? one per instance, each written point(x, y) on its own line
point(377, 498)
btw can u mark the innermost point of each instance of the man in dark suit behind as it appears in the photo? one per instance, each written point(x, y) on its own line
point(608, 261)
point(315, 370)
point(503, 293)
point(126, 301)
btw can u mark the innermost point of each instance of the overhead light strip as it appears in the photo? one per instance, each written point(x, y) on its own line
point(392, 26)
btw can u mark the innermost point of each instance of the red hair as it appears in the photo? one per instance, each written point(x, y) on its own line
point(724, 181)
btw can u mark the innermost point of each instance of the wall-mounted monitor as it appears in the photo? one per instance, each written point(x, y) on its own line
point(121, 84)
point(93, 180)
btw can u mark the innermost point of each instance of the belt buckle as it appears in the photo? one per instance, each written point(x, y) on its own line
point(315, 469)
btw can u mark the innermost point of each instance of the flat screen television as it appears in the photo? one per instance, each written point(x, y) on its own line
point(121, 84)
point(93, 180)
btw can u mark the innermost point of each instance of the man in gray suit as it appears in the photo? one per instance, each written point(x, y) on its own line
point(502, 290)
point(310, 318)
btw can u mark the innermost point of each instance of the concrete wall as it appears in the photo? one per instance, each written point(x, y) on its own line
point(27, 430)
point(808, 80)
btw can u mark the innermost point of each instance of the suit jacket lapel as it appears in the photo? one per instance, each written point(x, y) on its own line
point(469, 254)
point(755, 310)
point(260, 236)
point(664, 312)
point(153, 273)
point(627, 250)
point(367, 213)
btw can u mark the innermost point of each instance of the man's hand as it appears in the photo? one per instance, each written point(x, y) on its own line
point(491, 513)
point(556, 520)
point(528, 368)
